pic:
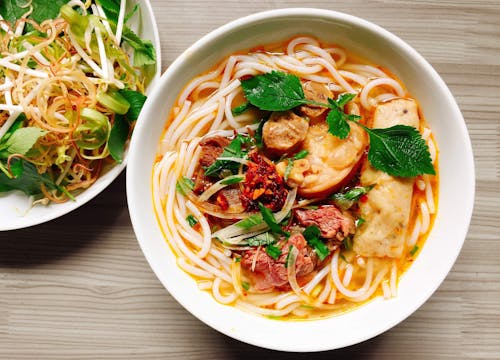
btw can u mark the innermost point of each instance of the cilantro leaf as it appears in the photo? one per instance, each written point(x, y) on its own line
point(312, 234)
point(268, 217)
point(399, 151)
point(118, 137)
point(274, 91)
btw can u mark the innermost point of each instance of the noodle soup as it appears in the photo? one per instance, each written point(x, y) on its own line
point(295, 180)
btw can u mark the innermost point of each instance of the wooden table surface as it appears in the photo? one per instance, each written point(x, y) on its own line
point(79, 286)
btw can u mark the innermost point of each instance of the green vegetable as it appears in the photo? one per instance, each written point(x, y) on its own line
point(273, 251)
point(26, 178)
point(245, 285)
point(144, 52)
point(274, 91)
point(414, 250)
point(312, 234)
point(348, 198)
point(233, 180)
point(184, 185)
point(94, 131)
point(12, 10)
point(289, 166)
point(268, 217)
point(359, 221)
point(261, 239)
point(118, 137)
point(347, 243)
point(250, 221)
point(399, 151)
point(136, 101)
point(20, 141)
point(191, 220)
point(114, 101)
point(238, 110)
point(237, 259)
point(234, 149)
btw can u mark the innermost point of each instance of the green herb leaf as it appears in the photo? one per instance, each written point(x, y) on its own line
point(144, 53)
point(232, 180)
point(26, 178)
point(11, 10)
point(261, 239)
point(245, 285)
point(348, 198)
point(21, 141)
point(274, 91)
point(312, 234)
point(414, 250)
point(238, 110)
point(399, 151)
point(273, 251)
point(184, 185)
point(237, 259)
point(289, 166)
point(118, 137)
point(347, 243)
point(268, 217)
point(136, 100)
point(191, 220)
point(250, 221)
point(301, 154)
point(234, 149)
point(359, 221)
point(18, 123)
point(337, 124)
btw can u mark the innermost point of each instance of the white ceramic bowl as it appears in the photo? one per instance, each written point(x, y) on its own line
point(455, 167)
point(14, 205)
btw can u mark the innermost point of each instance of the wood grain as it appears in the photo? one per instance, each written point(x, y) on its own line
point(80, 288)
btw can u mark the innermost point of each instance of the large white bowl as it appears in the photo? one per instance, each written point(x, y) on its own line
point(456, 170)
point(15, 205)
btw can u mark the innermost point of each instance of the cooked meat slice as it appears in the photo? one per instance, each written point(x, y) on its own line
point(332, 160)
point(211, 148)
point(266, 272)
point(316, 92)
point(388, 204)
point(333, 223)
point(201, 182)
point(229, 199)
point(284, 131)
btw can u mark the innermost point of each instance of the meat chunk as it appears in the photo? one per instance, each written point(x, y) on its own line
point(262, 184)
point(284, 131)
point(387, 208)
point(211, 148)
point(332, 223)
point(316, 92)
point(268, 272)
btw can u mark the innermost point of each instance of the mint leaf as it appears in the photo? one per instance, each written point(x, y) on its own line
point(136, 101)
point(21, 141)
point(26, 178)
point(337, 124)
point(11, 10)
point(144, 50)
point(118, 137)
point(274, 91)
point(399, 151)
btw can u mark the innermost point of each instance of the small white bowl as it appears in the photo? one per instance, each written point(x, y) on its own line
point(15, 205)
point(456, 170)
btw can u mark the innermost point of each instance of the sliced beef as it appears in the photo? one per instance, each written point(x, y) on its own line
point(229, 199)
point(333, 223)
point(269, 273)
point(262, 184)
point(211, 148)
point(284, 132)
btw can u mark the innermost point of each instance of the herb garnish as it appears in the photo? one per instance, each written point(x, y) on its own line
point(312, 234)
point(414, 250)
point(273, 251)
point(289, 166)
point(191, 220)
point(398, 150)
point(261, 239)
point(238, 110)
point(245, 285)
point(348, 198)
point(235, 150)
point(268, 217)
point(250, 221)
point(184, 185)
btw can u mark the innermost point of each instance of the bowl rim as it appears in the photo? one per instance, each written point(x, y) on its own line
point(335, 16)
